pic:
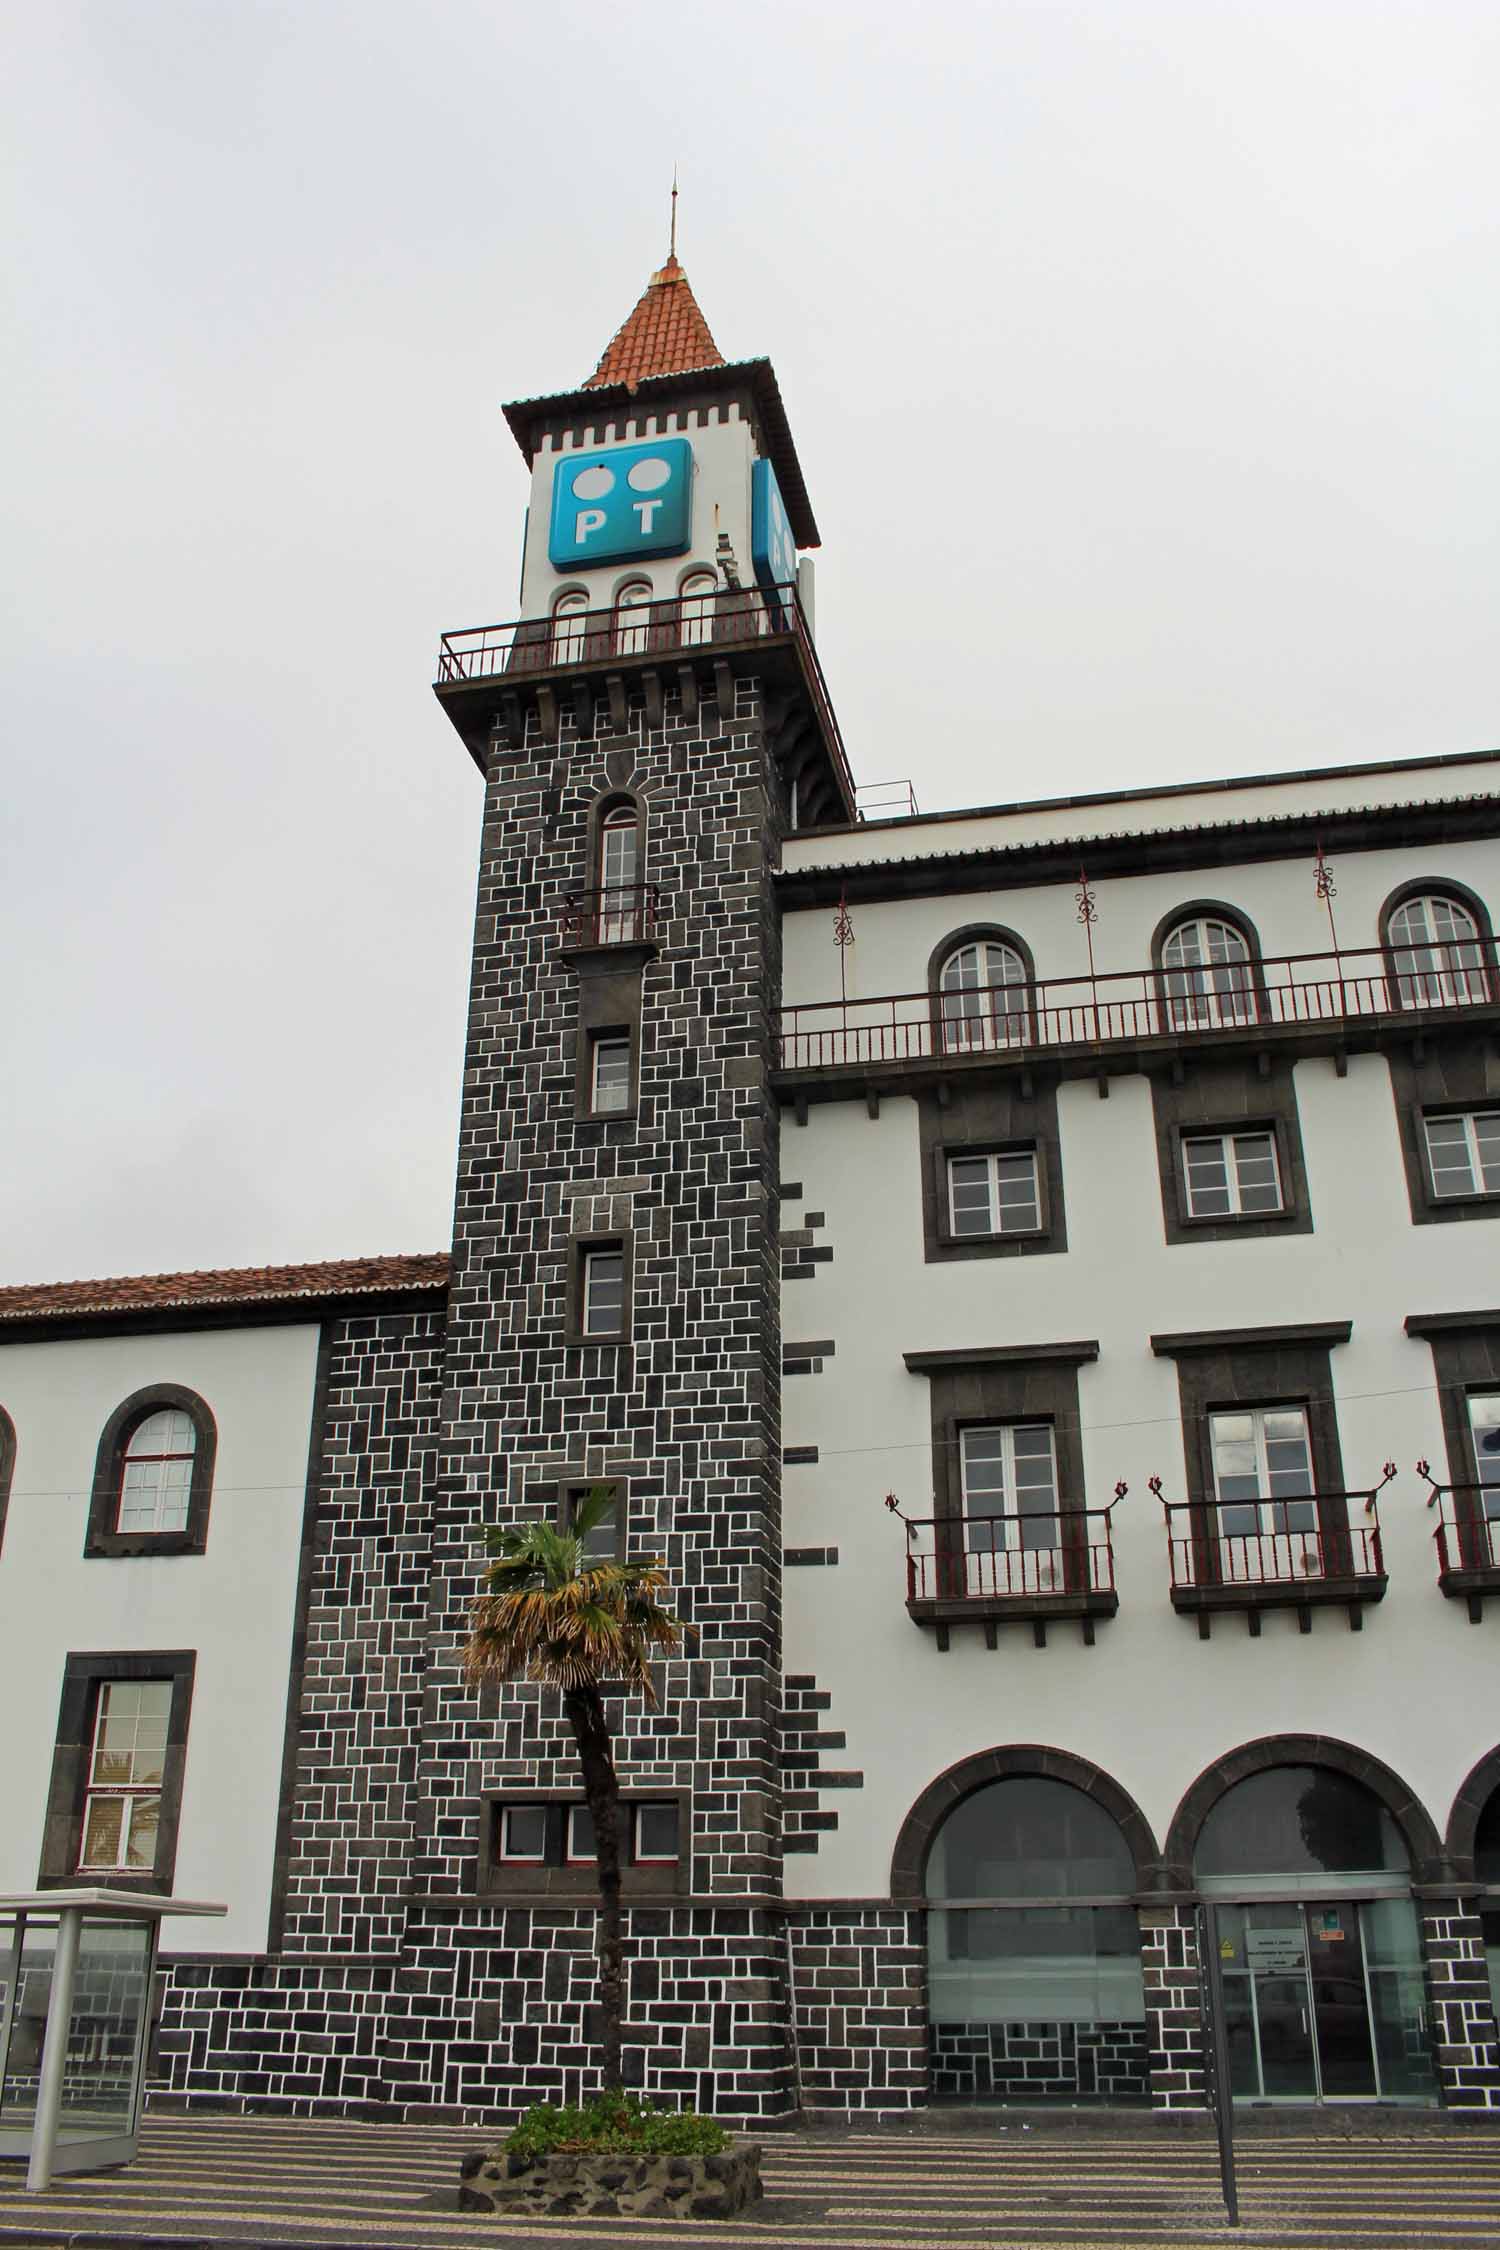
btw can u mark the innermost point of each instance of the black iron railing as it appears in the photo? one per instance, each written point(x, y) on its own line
point(1298, 1541)
point(617, 914)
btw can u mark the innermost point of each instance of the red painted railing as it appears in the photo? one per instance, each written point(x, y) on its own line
point(675, 629)
point(1134, 1004)
point(620, 914)
point(1294, 1542)
point(992, 1558)
point(1467, 1532)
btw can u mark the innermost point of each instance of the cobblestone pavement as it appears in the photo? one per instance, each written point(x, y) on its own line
point(333, 2186)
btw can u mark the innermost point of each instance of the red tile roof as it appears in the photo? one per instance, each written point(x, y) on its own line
point(234, 1285)
point(665, 335)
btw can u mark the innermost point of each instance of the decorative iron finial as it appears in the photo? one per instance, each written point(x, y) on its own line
point(1087, 910)
point(672, 245)
point(1324, 886)
point(843, 927)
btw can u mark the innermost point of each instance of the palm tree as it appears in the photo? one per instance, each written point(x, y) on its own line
point(550, 1615)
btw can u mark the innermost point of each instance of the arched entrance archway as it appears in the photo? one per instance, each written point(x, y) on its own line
point(1308, 1870)
point(1474, 1847)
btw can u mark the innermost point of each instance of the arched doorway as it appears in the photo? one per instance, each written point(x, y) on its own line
point(1310, 1875)
point(1034, 1981)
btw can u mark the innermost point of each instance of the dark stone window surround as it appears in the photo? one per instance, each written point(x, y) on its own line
point(980, 933)
point(1428, 1865)
point(62, 1835)
point(1438, 1074)
point(523, 1881)
point(1229, 1096)
point(1438, 886)
point(613, 800)
point(1231, 1368)
point(918, 1831)
point(578, 1248)
point(555, 1497)
point(988, 1116)
point(610, 975)
point(1209, 910)
point(1466, 1358)
point(7, 1466)
point(1474, 1794)
point(101, 1536)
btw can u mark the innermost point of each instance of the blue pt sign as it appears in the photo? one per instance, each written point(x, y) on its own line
point(773, 550)
point(633, 500)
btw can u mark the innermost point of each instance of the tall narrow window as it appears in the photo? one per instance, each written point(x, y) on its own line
point(602, 1542)
point(157, 1474)
point(1463, 1152)
point(122, 1806)
point(610, 1087)
point(986, 999)
point(1263, 1481)
point(1231, 1175)
point(696, 607)
point(619, 875)
point(569, 612)
point(603, 1293)
point(1209, 983)
point(1436, 953)
point(1011, 1541)
point(995, 1194)
point(633, 618)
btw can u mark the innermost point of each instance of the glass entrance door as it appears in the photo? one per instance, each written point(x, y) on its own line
point(1323, 2001)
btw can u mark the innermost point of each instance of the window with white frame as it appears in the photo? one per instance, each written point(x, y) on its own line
point(633, 618)
point(1484, 1434)
point(996, 1194)
point(610, 1091)
point(156, 1473)
point(127, 1763)
point(1231, 1175)
point(1009, 1483)
point(656, 1835)
point(1209, 981)
point(1263, 1482)
point(1463, 1152)
point(523, 1834)
point(580, 1844)
point(985, 998)
point(697, 602)
point(568, 614)
point(619, 875)
point(1436, 953)
point(603, 1292)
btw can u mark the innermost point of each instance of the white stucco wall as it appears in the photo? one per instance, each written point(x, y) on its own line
point(1150, 1702)
point(233, 1605)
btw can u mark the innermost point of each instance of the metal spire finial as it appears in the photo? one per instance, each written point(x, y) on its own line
point(672, 245)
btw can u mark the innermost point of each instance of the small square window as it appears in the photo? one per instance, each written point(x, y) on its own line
point(580, 1835)
point(1231, 1175)
point(604, 1293)
point(656, 1835)
point(1463, 1152)
point(609, 1091)
point(997, 1194)
point(523, 1833)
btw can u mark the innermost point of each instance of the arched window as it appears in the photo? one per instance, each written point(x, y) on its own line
point(1207, 975)
point(986, 997)
point(1437, 952)
point(619, 873)
point(568, 613)
point(696, 607)
point(1320, 1952)
point(153, 1475)
point(1013, 1961)
point(633, 618)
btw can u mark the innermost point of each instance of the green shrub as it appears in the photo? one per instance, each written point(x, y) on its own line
point(614, 2121)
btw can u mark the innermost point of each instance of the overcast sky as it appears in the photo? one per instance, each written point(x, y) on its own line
point(1142, 360)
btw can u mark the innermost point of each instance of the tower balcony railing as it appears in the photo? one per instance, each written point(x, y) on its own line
point(1123, 1008)
point(1036, 1566)
point(1296, 1552)
point(1466, 1538)
point(616, 914)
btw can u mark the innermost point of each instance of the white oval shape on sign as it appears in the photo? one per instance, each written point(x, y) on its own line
point(649, 476)
point(592, 484)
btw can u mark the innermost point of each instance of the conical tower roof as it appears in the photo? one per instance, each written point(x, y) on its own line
point(665, 335)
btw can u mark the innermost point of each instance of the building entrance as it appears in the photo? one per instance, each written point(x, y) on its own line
point(1323, 2001)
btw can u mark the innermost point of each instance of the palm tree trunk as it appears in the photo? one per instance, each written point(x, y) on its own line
point(601, 1788)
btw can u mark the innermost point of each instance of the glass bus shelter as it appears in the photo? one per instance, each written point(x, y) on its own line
point(75, 1986)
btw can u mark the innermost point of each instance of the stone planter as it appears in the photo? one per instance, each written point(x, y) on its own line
point(600, 2183)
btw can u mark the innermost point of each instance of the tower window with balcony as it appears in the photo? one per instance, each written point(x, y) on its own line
point(696, 604)
point(985, 998)
point(569, 612)
point(1207, 975)
point(1463, 1152)
point(1436, 952)
point(1231, 1175)
point(998, 1194)
point(619, 917)
point(633, 618)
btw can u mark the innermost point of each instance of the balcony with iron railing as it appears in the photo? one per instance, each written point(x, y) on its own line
point(1302, 1552)
point(613, 914)
point(1037, 1568)
point(1317, 1001)
point(1466, 1538)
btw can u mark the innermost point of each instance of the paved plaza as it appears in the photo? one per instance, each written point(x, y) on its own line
point(320, 2185)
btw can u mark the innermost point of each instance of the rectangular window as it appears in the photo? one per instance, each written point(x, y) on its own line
point(604, 1293)
point(1263, 1481)
point(581, 1834)
point(1231, 1175)
point(1463, 1152)
point(602, 1542)
point(1484, 1436)
point(994, 1194)
point(523, 1834)
point(656, 1834)
point(1009, 1488)
point(122, 1803)
point(610, 1085)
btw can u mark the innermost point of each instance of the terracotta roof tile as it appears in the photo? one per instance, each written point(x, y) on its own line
point(234, 1285)
point(665, 335)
